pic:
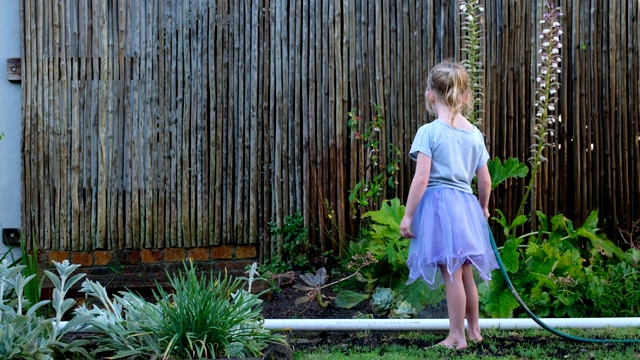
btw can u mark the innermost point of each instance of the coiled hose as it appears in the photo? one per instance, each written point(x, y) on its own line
point(535, 318)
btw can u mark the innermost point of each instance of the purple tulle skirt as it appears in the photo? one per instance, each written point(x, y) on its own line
point(449, 229)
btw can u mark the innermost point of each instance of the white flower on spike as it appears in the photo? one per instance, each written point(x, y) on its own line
point(481, 9)
point(556, 24)
point(545, 31)
point(463, 7)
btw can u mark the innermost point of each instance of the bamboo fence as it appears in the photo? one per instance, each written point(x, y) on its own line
point(152, 124)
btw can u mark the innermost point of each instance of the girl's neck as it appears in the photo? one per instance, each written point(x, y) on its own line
point(444, 115)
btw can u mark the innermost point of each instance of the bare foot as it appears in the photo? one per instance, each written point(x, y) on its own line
point(477, 340)
point(452, 344)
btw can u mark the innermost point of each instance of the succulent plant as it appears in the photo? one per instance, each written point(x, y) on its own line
point(314, 286)
point(382, 300)
point(402, 310)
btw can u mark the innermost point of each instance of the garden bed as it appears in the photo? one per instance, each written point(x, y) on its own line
point(281, 305)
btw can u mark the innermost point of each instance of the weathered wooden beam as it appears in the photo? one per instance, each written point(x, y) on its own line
point(14, 69)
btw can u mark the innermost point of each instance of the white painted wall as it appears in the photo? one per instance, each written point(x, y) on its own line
point(10, 122)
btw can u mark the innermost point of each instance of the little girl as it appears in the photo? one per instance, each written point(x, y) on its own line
point(447, 223)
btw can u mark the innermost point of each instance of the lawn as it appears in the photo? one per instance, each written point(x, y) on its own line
point(523, 344)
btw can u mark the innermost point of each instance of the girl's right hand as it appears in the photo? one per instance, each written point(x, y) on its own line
point(486, 213)
point(405, 227)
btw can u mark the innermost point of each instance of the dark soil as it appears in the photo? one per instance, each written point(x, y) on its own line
point(281, 304)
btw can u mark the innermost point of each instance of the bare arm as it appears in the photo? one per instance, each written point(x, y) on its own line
point(417, 189)
point(484, 188)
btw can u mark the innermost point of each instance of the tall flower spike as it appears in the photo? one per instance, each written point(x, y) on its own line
point(548, 85)
point(471, 12)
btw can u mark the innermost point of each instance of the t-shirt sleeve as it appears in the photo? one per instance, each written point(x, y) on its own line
point(421, 143)
point(484, 157)
point(484, 154)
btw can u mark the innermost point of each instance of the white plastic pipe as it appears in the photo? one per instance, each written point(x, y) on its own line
point(432, 324)
point(440, 324)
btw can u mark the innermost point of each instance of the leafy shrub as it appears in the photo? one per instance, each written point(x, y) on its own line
point(295, 243)
point(382, 239)
point(202, 317)
point(561, 271)
point(379, 171)
point(26, 335)
point(611, 285)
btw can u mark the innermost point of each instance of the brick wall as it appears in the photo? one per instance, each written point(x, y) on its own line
point(139, 270)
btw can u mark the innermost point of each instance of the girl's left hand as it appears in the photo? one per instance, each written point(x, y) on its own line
point(405, 228)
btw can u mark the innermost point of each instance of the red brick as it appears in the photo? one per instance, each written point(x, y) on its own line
point(222, 252)
point(151, 256)
point(199, 254)
point(58, 256)
point(246, 252)
point(101, 258)
point(233, 267)
point(81, 258)
point(174, 254)
point(43, 257)
point(134, 257)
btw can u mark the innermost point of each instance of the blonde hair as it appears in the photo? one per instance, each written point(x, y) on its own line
point(449, 81)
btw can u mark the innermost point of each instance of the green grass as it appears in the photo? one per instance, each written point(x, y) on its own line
point(503, 344)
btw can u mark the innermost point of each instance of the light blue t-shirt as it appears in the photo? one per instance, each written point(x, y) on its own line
point(455, 154)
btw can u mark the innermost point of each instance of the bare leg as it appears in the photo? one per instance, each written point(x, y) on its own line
point(456, 304)
point(471, 310)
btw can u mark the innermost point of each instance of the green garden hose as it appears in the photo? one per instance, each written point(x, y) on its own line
point(535, 318)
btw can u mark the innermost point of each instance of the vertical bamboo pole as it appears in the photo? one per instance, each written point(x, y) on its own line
point(114, 125)
point(181, 172)
point(44, 154)
point(268, 106)
point(253, 97)
point(315, 203)
point(190, 167)
point(151, 124)
point(172, 218)
point(240, 120)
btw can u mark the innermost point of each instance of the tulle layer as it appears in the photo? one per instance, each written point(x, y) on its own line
point(450, 230)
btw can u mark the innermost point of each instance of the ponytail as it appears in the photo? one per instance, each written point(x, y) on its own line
point(450, 82)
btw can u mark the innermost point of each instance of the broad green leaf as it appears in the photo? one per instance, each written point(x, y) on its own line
point(419, 295)
point(390, 214)
point(591, 223)
point(347, 299)
point(502, 304)
point(510, 254)
point(499, 173)
point(543, 221)
point(604, 246)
